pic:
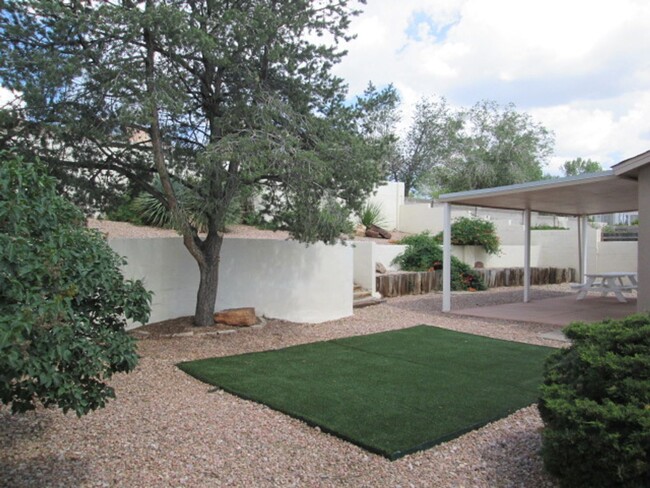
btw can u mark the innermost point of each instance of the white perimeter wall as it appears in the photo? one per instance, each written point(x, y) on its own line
point(390, 198)
point(549, 248)
point(281, 279)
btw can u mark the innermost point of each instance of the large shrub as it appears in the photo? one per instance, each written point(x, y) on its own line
point(595, 404)
point(63, 301)
point(423, 253)
point(467, 231)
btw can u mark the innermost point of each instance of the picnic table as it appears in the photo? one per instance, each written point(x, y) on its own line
point(615, 282)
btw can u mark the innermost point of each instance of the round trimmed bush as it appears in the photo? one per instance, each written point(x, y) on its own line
point(595, 403)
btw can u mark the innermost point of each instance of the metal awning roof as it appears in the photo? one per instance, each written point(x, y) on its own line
point(589, 194)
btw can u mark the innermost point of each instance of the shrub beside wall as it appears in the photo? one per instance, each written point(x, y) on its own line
point(467, 231)
point(595, 403)
point(423, 253)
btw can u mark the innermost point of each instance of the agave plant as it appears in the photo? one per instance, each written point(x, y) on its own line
point(371, 215)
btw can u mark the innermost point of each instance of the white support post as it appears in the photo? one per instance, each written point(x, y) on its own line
point(446, 259)
point(526, 255)
point(583, 230)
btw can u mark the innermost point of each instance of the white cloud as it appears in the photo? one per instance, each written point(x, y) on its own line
point(598, 129)
point(6, 96)
point(579, 67)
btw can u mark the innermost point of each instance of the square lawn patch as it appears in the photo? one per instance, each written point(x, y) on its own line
point(391, 393)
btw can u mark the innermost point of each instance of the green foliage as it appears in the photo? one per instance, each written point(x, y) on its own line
point(595, 404)
point(154, 211)
point(580, 166)
point(423, 252)
point(548, 227)
point(125, 211)
point(371, 215)
point(499, 146)
point(466, 231)
point(228, 99)
point(64, 302)
point(432, 139)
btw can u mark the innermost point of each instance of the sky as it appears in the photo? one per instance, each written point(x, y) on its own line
point(579, 68)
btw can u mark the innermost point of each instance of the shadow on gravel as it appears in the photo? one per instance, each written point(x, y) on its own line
point(515, 459)
point(17, 434)
point(20, 428)
point(43, 471)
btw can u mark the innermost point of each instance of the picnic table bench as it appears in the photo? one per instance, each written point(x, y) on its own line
point(611, 282)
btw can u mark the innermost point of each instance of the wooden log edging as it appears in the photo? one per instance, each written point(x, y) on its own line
point(419, 282)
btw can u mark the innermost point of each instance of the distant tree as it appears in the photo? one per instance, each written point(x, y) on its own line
point(63, 300)
point(579, 166)
point(500, 146)
point(431, 140)
point(223, 98)
point(377, 115)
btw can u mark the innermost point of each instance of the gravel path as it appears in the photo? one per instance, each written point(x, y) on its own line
point(168, 429)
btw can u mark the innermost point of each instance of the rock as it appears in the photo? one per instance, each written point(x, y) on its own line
point(373, 234)
point(237, 317)
point(479, 265)
point(383, 233)
point(380, 268)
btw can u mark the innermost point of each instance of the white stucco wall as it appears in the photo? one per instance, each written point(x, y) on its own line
point(281, 279)
point(420, 217)
point(389, 197)
point(615, 256)
point(364, 265)
point(386, 253)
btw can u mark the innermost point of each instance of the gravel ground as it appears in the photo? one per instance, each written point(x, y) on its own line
point(130, 231)
point(168, 429)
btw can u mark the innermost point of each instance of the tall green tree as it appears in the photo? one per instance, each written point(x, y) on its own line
point(377, 115)
point(63, 300)
point(500, 146)
point(580, 166)
point(221, 97)
point(429, 143)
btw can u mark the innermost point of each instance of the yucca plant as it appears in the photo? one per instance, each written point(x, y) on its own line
point(371, 215)
point(154, 212)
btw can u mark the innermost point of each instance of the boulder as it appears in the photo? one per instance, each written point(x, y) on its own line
point(380, 268)
point(374, 229)
point(237, 317)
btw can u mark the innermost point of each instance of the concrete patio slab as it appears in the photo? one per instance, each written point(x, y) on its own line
point(556, 311)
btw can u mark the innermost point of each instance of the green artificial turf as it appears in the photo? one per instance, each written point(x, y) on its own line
point(391, 393)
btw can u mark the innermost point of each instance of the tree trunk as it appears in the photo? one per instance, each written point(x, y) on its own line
point(206, 297)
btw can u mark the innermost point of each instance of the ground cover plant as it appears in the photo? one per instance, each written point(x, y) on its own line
point(423, 253)
point(595, 404)
point(393, 392)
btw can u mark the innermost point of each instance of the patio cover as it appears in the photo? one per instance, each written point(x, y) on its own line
point(589, 194)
